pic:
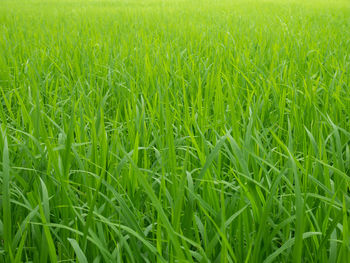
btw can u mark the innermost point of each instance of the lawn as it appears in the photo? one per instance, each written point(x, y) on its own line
point(175, 131)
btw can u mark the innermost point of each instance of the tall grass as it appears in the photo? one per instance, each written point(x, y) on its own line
point(174, 131)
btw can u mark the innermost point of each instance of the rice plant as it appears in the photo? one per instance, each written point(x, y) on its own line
point(175, 131)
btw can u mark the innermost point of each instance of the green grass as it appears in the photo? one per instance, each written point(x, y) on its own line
point(175, 131)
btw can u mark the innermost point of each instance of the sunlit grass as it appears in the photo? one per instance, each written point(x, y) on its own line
point(174, 131)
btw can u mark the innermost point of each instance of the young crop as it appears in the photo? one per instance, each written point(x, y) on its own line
point(174, 131)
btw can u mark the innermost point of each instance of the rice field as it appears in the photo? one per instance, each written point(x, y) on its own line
point(175, 131)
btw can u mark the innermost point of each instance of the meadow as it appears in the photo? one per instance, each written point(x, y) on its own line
point(175, 131)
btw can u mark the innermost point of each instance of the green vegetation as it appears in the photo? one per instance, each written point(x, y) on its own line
point(174, 131)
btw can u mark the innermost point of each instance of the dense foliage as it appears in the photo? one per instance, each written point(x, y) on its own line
point(174, 131)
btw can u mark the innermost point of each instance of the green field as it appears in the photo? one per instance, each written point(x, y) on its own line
point(175, 131)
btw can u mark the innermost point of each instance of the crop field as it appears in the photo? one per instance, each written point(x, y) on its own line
point(175, 131)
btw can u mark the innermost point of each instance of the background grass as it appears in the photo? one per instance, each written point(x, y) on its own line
point(174, 131)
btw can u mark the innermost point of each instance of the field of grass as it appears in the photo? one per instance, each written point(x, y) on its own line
point(174, 131)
